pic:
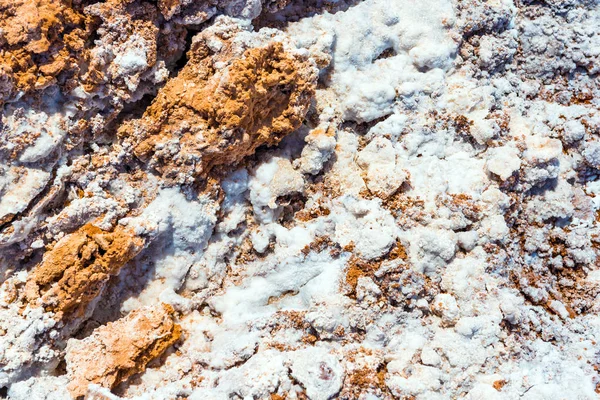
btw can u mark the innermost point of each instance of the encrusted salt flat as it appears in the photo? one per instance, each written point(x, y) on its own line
point(299, 199)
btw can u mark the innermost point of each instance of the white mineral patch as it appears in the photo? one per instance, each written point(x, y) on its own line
point(19, 186)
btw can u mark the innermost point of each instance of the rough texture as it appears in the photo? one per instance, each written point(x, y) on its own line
point(76, 270)
point(40, 40)
point(120, 349)
point(222, 106)
point(322, 199)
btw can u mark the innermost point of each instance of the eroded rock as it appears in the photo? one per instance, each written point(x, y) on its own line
point(75, 271)
point(120, 349)
point(230, 98)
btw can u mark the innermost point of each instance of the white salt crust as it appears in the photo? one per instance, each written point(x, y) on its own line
point(481, 307)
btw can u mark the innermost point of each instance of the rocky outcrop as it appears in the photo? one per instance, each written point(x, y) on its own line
point(76, 270)
point(120, 349)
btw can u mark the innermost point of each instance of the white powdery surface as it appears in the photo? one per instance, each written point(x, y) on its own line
point(430, 232)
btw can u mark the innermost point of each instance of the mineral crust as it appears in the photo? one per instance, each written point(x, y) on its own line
point(286, 199)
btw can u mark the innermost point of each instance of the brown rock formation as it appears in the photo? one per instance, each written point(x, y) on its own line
point(39, 39)
point(221, 107)
point(76, 270)
point(48, 42)
point(133, 40)
point(120, 349)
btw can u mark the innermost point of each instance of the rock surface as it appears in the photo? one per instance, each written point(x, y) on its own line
point(285, 199)
point(120, 349)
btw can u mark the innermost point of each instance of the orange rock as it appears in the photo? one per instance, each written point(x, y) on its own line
point(76, 270)
point(221, 107)
point(114, 352)
point(169, 7)
point(40, 39)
